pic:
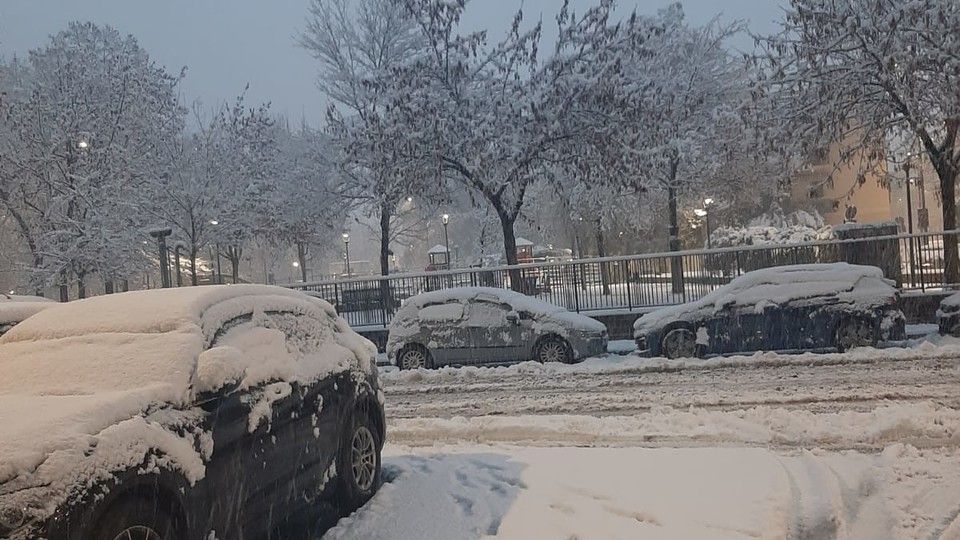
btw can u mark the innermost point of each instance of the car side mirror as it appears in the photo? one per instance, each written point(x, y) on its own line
point(513, 317)
point(218, 374)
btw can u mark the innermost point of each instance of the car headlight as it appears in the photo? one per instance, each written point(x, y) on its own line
point(11, 518)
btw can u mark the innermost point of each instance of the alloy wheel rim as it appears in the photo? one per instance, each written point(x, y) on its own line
point(679, 344)
point(138, 532)
point(363, 458)
point(855, 334)
point(413, 359)
point(552, 352)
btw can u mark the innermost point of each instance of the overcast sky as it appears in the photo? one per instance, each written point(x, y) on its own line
point(226, 44)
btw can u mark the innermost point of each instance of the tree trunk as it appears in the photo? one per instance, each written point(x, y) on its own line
point(676, 263)
point(948, 190)
point(194, 279)
point(386, 299)
point(81, 287)
point(947, 167)
point(301, 260)
point(64, 291)
point(234, 253)
point(510, 250)
point(604, 267)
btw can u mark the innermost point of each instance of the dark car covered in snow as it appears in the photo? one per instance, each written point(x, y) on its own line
point(483, 325)
point(786, 308)
point(203, 412)
point(948, 316)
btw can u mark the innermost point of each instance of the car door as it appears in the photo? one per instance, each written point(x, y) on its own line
point(278, 439)
point(492, 337)
point(442, 331)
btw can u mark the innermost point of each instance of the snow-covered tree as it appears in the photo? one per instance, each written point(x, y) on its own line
point(491, 117)
point(360, 44)
point(82, 135)
point(875, 78)
point(308, 211)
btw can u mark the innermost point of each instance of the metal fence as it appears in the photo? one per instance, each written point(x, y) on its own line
point(641, 282)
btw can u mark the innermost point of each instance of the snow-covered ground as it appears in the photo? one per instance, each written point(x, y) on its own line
point(858, 445)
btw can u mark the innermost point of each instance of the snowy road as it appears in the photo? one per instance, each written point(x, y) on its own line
point(493, 404)
point(858, 445)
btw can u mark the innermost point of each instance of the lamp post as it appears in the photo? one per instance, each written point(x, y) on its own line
point(446, 238)
point(346, 246)
point(704, 215)
point(707, 203)
point(219, 272)
point(176, 254)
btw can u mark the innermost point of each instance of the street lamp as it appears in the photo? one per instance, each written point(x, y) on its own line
point(446, 238)
point(219, 271)
point(707, 203)
point(346, 246)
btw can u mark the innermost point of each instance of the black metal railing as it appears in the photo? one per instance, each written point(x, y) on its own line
point(641, 282)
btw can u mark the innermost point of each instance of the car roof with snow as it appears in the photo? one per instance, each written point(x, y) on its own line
point(779, 285)
point(514, 299)
point(141, 339)
point(79, 368)
point(15, 308)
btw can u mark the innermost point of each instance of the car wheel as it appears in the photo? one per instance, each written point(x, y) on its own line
point(358, 464)
point(853, 333)
point(679, 343)
point(554, 349)
point(414, 357)
point(137, 517)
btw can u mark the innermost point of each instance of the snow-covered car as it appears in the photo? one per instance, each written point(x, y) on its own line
point(948, 316)
point(481, 325)
point(238, 411)
point(801, 307)
point(14, 309)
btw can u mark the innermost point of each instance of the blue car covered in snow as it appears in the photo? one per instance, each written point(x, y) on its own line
point(786, 308)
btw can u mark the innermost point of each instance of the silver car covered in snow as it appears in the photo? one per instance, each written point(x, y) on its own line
point(479, 325)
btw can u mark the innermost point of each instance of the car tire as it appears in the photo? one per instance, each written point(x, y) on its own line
point(141, 518)
point(358, 463)
point(414, 357)
point(854, 332)
point(679, 343)
point(553, 349)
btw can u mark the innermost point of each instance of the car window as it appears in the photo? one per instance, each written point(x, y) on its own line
point(487, 314)
point(449, 312)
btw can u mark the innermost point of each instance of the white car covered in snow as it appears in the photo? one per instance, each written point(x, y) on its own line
point(223, 411)
point(481, 325)
point(14, 309)
point(836, 306)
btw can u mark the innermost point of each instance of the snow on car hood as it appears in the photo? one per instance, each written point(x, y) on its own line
point(861, 286)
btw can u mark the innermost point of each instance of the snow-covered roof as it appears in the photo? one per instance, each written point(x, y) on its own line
point(492, 294)
point(437, 249)
point(522, 242)
point(88, 370)
point(851, 284)
point(142, 339)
